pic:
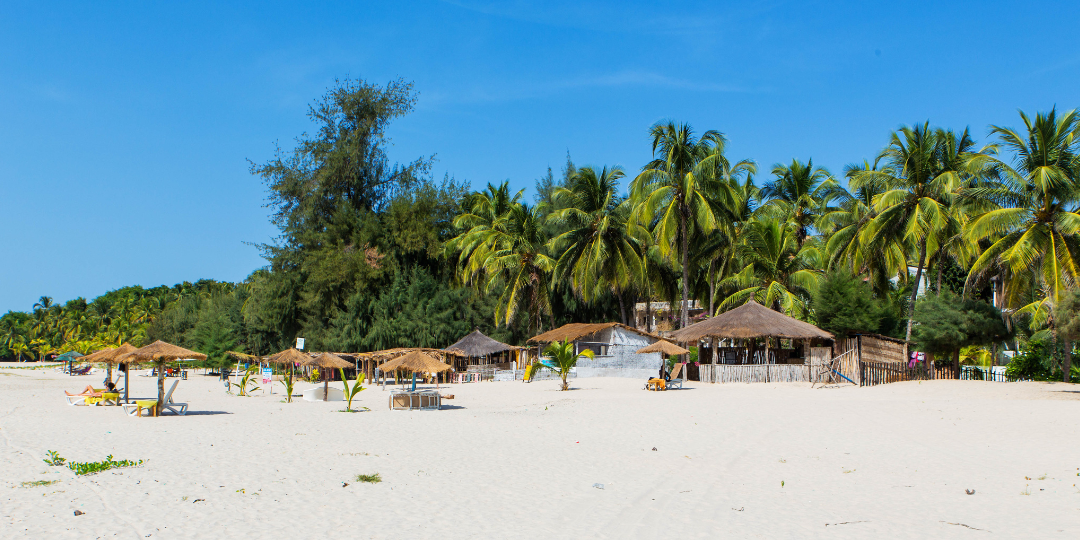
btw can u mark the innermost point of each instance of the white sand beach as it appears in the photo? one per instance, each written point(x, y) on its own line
point(513, 460)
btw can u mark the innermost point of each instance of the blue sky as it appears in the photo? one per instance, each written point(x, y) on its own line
point(125, 128)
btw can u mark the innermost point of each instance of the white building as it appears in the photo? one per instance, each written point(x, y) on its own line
point(614, 347)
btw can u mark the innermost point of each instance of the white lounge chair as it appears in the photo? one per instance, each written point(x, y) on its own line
point(135, 409)
point(675, 379)
point(75, 399)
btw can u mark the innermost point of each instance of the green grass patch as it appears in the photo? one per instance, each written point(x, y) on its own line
point(39, 483)
point(369, 478)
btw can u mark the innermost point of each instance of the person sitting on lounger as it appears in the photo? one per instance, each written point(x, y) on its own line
point(109, 385)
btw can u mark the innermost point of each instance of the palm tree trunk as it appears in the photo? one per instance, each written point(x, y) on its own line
point(685, 308)
point(915, 289)
point(941, 260)
point(712, 291)
point(622, 307)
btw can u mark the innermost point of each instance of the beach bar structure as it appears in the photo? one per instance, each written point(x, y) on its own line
point(614, 348)
point(479, 352)
point(745, 344)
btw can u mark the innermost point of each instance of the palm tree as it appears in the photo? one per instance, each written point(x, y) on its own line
point(563, 359)
point(778, 272)
point(671, 191)
point(483, 222)
point(1034, 234)
point(43, 303)
point(920, 184)
point(598, 249)
point(520, 265)
point(798, 192)
point(841, 227)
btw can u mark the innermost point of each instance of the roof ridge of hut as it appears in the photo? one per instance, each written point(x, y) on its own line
point(574, 331)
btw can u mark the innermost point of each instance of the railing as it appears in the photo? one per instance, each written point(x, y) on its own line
point(979, 373)
point(752, 373)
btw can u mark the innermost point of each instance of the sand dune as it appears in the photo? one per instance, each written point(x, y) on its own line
point(513, 460)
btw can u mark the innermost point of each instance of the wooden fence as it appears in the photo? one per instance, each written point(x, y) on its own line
point(874, 373)
point(752, 373)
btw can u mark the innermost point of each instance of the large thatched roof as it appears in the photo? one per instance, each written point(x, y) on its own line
point(327, 360)
point(663, 347)
point(574, 331)
point(416, 361)
point(750, 320)
point(477, 344)
point(109, 355)
point(159, 351)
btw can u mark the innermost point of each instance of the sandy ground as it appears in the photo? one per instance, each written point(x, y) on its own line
point(513, 460)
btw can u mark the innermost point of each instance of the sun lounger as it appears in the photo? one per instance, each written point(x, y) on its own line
point(316, 394)
point(136, 408)
point(674, 379)
point(76, 399)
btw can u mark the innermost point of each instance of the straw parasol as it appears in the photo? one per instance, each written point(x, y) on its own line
point(327, 360)
point(663, 347)
point(416, 362)
point(109, 356)
point(289, 356)
point(158, 353)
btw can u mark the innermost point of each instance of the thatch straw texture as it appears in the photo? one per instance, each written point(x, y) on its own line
point(574, 331)
point(417, 362)
point(289, 356)
point(109, 355)
point(159, 351)
point(244, 357)
point(750, 320)
point(327, 360)
point(477, 344)
point(663, 347)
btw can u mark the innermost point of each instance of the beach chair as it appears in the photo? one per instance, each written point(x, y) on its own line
point(76, 399)
point(675, 380)
point(136, 408)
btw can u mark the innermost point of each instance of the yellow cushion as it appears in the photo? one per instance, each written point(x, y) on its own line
point(146, 403)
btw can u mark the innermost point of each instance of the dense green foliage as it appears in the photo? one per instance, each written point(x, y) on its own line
point(945, 324)
point(844, 304)
point(374, 254)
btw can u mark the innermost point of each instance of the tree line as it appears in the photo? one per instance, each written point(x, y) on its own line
point(373, 254)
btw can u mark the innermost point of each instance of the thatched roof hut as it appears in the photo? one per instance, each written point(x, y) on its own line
point(663, 347)
point(476, 345)
point(748, 321)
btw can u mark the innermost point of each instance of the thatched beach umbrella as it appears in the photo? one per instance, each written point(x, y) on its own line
point(159, 353)
point(416, 362)
point(663, 347)
point(327, 360)
point(109, 356)
point(290, 356)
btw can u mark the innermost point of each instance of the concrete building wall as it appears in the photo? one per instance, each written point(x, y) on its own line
point(620, 360)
